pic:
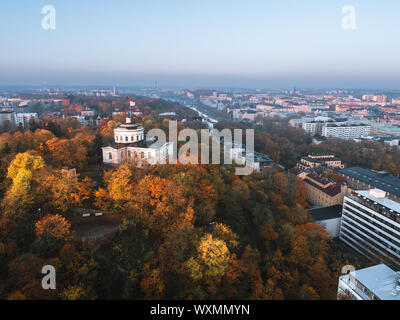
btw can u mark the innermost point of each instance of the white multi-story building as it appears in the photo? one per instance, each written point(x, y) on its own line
point(7, 115)
point(313, 125)
point(130, 145)
point(376, 98)
point(379, 282)
point(346, 132)
point(24, 118)
point(371, 225)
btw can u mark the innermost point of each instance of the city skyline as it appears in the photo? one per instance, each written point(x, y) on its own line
point(267, 44)
point(192, 157)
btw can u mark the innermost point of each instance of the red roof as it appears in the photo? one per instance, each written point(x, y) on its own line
point(331, 191)
point(316, 177)
point(295, 171)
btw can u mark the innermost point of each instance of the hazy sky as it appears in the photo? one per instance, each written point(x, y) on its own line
point(253, 43)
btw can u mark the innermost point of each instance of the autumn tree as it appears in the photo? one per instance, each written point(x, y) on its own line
point(210, 263)
point(67, 152)
point(61, 190)
point(54, 226)
point(18, 200)
point(51, 231)
point(118, 191)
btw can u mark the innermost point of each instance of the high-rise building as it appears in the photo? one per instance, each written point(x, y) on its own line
point(371, 225)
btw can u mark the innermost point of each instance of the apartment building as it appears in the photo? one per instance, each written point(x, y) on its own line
point(313, 128)
point(24, 118)
point(371, 225)
point(346, 132)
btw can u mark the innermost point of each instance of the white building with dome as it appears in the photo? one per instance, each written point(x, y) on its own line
point(130, 145)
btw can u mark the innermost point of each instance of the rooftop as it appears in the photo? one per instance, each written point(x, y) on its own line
point(319, 182)
point(381, 280)
point(383, 201)
point(320, 158)
point(381, 180)
point(296, 171)
point(326, 213)
point(129, 126)
point(331, 191)
point(318, 178)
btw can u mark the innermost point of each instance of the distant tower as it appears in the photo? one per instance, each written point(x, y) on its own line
point(155, 85)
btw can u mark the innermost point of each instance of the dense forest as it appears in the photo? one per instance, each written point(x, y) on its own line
point(183, 231)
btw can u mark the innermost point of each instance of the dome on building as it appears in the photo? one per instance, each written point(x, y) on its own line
point(128, 133)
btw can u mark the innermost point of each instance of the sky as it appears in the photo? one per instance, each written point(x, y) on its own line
point(201, 43)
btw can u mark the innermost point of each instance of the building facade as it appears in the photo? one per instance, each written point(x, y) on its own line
point(346, 132)
point(130, 145)
point(314, 161)
point(322, 192)
point(22, 119)
point(371, 225)
point(7, 115)
point(328, 218)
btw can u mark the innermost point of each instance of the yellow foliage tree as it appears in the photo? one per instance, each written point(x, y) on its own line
point(211, 260)
point(25, 162)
